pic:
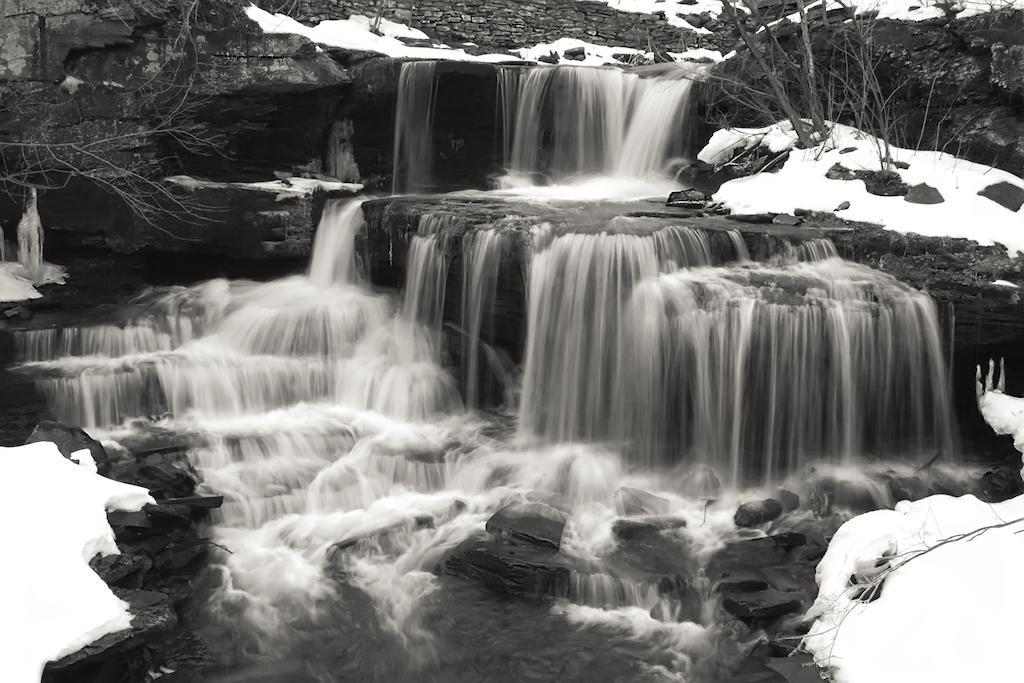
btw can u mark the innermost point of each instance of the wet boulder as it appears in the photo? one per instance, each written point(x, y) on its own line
point(764, 578)
point(640, 529)
point(789, 500)
point(535, 523)
point(756, 513)
point(764, 605)
point(633, 502)
point(828, 493)
point(1005, 194)
point(687, 199)
point(69, 440)
point(510, 567)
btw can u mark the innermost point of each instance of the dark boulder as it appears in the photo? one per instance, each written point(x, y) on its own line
point(687, 199)
point(127, 570)
point(786, 219)
point(511, 568)
point(790, 501)
point(69, 440)
point(923, 193)
point(762, 605)
point(1005, 194)
point(639, 529)
point(1001, 484)
point(539, 524)
point(167, 475)
point(757, 513)
point(576, 53)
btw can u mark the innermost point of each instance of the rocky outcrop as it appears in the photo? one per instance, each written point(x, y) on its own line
point(104, 100)
point(162, 549)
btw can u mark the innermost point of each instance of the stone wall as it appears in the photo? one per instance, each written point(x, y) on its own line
point(504, 24)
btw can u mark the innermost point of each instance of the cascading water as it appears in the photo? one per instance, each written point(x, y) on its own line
point(357, 483)
point(481, 256)
point(414, 124)
point(751, 369)
point(571, 122)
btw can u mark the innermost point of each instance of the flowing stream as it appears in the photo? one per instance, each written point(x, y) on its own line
point(346, 427)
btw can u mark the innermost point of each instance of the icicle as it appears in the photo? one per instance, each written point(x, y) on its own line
point(30, 240)
point(1001, 386)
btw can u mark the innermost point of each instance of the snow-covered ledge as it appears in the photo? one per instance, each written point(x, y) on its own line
point(54, 512)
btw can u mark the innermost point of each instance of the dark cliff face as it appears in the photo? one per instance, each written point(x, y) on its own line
point(128, 93)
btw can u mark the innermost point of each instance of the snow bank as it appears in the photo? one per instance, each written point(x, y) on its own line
point(354, 34)
point(16, 283)
point(801, 184)
point(947, 615)
point(675, 11)
point(299, 187)
point(596, 55)
point(55, 522)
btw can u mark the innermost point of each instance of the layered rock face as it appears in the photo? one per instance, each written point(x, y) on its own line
point(124, 94)
point(503, 25)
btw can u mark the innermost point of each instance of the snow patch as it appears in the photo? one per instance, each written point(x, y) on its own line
point(292, 187)
point(595, 55)
point(354, 34)
point(57, 522)
point(801, 184)
point(925, 624)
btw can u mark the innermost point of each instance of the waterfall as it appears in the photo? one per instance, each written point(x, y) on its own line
point(576, 330)
point(572, 121)
point(751, 369)
point(333, 258)
point(414, 125)
point(481, 258)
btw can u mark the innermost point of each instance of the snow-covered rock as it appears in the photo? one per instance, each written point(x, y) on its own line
point(949, 598)
point(54, 513)
point(802, 183)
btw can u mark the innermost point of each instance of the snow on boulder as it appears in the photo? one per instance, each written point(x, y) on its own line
point(804, 182)
point(929, 591)
point(55, 522)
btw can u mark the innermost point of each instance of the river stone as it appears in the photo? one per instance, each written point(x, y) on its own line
point(790, 501)
point(843, 206)
point(637, 529)
point(633, 502)
point(509, 567)
point(762, 605)
point(923, 193)
point(757, 513)
point(69, 440)
point(687, 199)
point(1005, 194)
point(786, 219)
point(537, 523)
point(576, 53)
